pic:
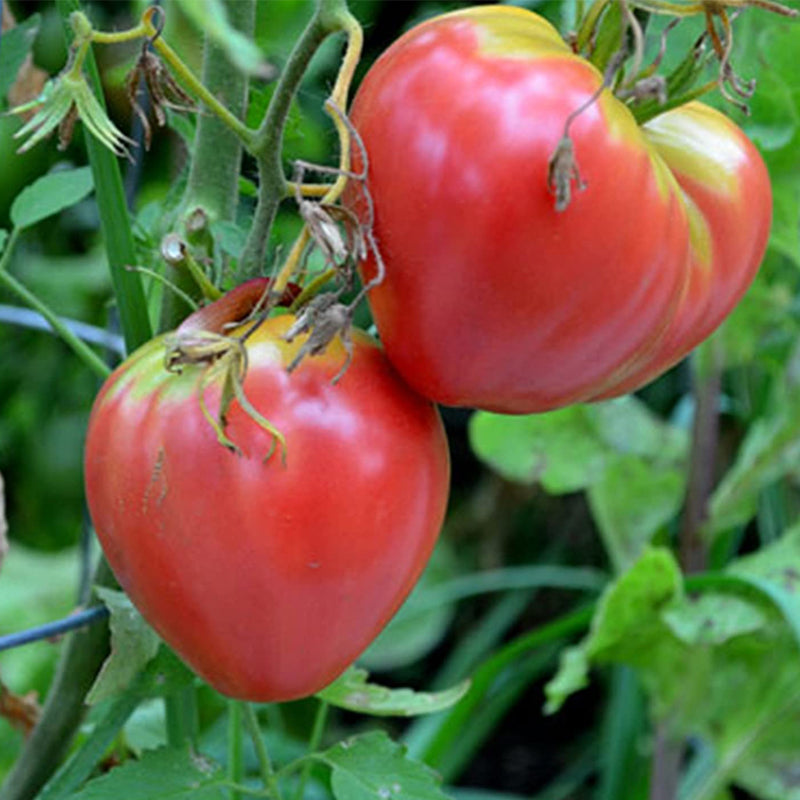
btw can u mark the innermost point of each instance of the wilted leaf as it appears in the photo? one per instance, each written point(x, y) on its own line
point(17, 43)
point(22, 711)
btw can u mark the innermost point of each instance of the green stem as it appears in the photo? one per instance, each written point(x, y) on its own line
point(264, 761)
point(235, 749)
point(317, 730)
point(216, 160)
point(79, 347)
point(181, 716)
point(212, 191)
point(329, 17)
point(205, 93)
point(114, 218)
point(81, 658)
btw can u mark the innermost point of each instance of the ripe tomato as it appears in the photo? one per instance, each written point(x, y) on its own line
point(267, 577)
point(492, 297)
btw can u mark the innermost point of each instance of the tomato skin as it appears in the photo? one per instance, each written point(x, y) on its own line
point(268, 580)
point(492, 298)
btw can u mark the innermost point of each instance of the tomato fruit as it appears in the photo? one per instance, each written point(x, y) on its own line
point(267, 574)
point(493, 298)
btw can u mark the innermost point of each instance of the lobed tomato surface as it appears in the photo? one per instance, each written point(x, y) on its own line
point(268, 579)
point(494, 299)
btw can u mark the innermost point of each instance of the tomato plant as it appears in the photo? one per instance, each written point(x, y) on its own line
point(268, 566)
point(495, 298)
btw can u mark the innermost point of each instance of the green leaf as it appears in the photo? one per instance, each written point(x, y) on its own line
point(568, 450)
point(133, 644)
point(229, 236)
point(165, 774)
point(558, 449)
point(3, 239)
point(373, 767)
point(17, 43)
point(627, 628)
point(49, 195)
point(353, 692)
point(770, 450)
point(630, 502)
point(210, 18)
point(713, 619)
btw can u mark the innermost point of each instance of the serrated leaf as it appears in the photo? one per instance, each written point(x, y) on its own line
point(49, 195)
point(373, 767)
point(165, 774)
point(17, 43)
point(353, 691)
point(133, 645)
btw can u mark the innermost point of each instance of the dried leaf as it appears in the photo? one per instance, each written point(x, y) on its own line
point(22, 711)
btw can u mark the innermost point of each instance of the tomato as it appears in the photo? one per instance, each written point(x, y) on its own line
point(268, 571)
point(492, 297)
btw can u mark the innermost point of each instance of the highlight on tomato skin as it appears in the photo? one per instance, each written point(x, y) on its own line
point(267, 572)
point(495, 299)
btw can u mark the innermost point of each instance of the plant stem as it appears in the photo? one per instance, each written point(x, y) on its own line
point(217, 154)
point(83, 653)
point(79, 347)
point(317, 730)
point(235, 750)
point(205, 90)
point(181, 716)
point(212, 191)
point(706, 379)
point(667, 760)
point(114, 219)
point(329, 17)
point(264, 761)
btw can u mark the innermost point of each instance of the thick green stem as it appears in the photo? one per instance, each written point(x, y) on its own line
point(212, 191)
point(83, 654)
point(216, 159)
point(330, 16)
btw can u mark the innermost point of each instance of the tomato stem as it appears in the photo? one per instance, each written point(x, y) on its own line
point(318, 728)
point(268, 775)
point(235, 748)
point(331, 16)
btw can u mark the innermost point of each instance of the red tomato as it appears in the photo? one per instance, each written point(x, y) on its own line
point(494, 299)
point(267, 578)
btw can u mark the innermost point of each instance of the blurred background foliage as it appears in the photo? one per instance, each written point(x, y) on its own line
point(583, 487)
